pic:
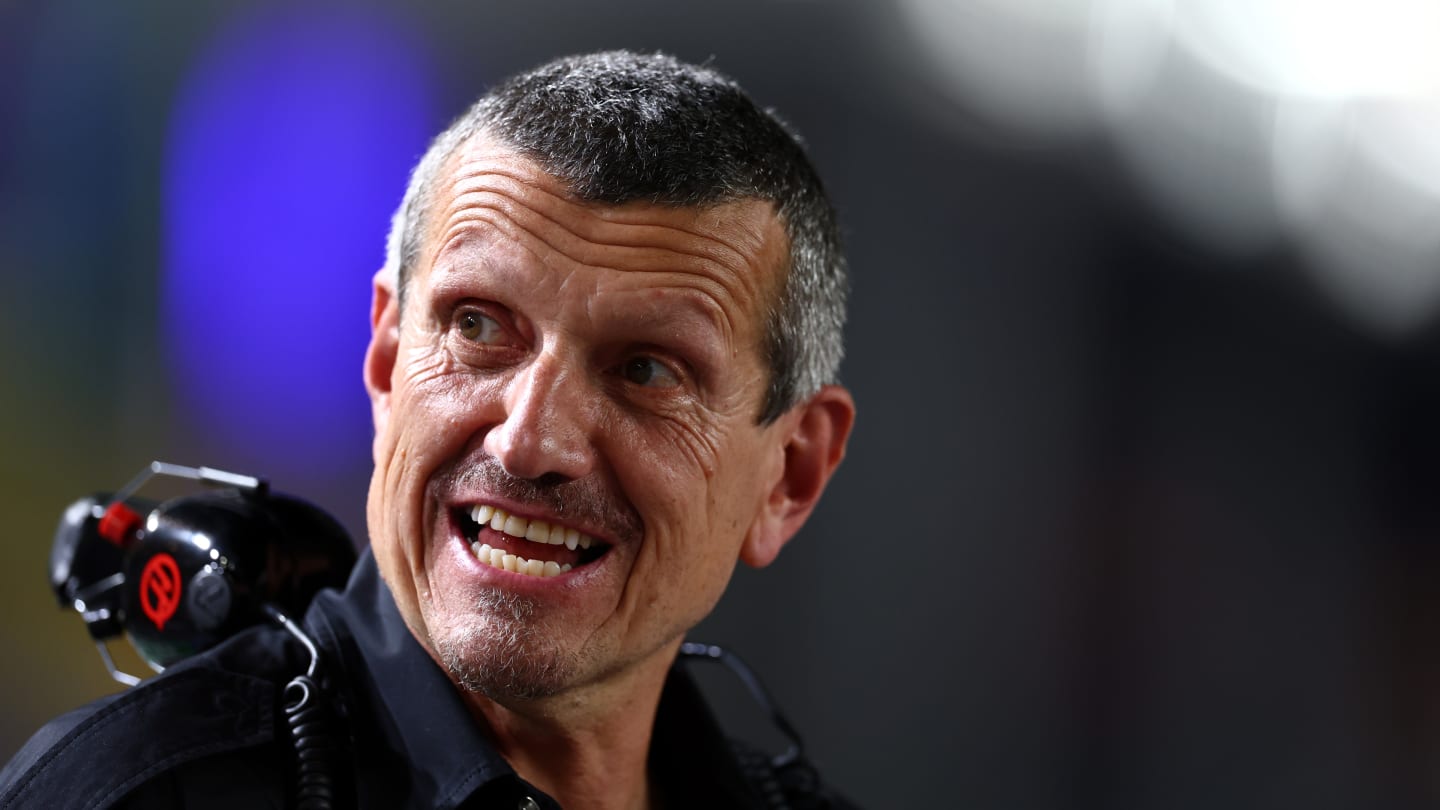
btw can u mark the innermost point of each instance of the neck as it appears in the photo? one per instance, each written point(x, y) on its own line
point(588, 746)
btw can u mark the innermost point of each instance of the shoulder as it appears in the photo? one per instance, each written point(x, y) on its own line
point(222, 701)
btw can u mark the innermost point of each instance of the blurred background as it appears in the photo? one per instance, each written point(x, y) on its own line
point(1141, 508)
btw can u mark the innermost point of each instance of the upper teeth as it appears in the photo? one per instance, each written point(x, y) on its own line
point(536, 531)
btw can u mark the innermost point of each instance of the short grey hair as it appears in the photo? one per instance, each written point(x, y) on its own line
point(619, 126)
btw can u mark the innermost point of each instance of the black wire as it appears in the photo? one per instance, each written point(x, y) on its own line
point(747, 676)
point(316, 740)
point(315, 730)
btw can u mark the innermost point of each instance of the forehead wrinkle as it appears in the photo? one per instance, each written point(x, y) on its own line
point(732, 253)
point(500, 213)
point(626, 225)
point(657, 261)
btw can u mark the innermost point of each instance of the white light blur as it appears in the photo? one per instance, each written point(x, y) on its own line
point(1128, 44)
point(1326, 49)
point(1368, 230)
point(1202, 152)
point(1245, 121)
point(1018, 62)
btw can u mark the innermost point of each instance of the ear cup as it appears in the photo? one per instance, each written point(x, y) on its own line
point(202, 566)
point(84, 566)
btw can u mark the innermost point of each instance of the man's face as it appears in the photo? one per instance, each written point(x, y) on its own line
point(594, 368)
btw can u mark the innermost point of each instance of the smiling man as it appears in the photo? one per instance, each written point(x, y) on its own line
point(602, 373)
point(598, 373)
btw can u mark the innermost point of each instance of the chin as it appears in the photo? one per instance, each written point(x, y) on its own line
point(500, 653)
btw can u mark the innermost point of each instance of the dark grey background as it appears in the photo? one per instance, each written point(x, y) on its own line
point(1124, 523)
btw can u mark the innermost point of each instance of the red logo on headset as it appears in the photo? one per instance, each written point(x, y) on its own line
point(160, 589)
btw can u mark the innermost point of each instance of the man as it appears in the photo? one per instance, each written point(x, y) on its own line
point(601, 372)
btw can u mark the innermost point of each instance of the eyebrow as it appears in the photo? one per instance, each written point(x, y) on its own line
point(689, 324)
point(685, 307)
point(688, 320)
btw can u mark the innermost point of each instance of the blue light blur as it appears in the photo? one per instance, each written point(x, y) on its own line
point(288, 148)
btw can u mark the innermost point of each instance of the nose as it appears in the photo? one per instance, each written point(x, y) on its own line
point(546, 429)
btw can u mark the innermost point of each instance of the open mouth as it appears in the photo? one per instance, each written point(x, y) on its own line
point(519, 545)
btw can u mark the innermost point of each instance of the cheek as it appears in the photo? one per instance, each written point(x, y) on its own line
point(694, 484)
point(667, 464)
point(435, 411)
point(697, 520)
point(436, 406)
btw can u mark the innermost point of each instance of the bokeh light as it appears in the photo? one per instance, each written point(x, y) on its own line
point(288, 150)
point(1251, 124)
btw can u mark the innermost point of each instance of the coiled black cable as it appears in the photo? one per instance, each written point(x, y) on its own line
point(315, 730)
point(316, 740)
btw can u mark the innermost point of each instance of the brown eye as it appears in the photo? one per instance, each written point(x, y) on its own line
point(649, 372)
point(478, 327)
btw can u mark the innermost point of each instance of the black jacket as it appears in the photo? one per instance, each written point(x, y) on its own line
point(211, 732)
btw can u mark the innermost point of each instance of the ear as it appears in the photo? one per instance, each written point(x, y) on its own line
point(384, 347)
point(814, 446)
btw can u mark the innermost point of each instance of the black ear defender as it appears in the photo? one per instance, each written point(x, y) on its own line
point(179, 576)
